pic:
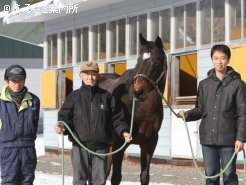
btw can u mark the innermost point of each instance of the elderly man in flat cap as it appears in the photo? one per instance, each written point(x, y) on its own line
point(91, 111)
point(19, 115)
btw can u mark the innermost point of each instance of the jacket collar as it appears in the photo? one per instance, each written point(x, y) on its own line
point(230, 75)
point(89, 90)
point(84, 86)
point(25, 102)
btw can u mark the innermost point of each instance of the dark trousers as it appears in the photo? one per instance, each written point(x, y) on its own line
point(18, 165)
point(213, 156)
point(83, 161)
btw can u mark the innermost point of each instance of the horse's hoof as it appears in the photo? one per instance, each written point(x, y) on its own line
point(144, 178)
point(116, 181)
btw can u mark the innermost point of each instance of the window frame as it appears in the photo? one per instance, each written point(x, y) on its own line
point(52, 52)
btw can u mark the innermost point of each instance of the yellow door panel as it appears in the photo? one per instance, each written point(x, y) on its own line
point(48, 89)
point(119, 68)
point(238, 57)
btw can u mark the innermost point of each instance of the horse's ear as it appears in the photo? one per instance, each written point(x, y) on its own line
point(158, 42)
point(142, 40)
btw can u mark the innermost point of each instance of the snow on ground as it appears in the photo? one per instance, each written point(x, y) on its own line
point(39, 144)
point(45, 178)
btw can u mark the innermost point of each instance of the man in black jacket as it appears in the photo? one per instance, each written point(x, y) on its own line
point(221, 104)
point(91, 112)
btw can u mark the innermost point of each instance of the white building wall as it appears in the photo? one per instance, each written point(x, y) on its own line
point(204, 64)
point(76, 79)
point(163, 148)
point(50, 137)
point(179, 139)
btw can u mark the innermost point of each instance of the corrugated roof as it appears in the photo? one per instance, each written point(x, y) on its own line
point(29, 32)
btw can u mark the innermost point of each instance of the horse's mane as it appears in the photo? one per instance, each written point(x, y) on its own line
point(126, 78)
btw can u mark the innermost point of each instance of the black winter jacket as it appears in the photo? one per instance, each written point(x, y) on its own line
point(92, 112)
point(221, 104)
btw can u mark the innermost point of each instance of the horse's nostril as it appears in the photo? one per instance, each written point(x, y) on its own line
point(138, 92)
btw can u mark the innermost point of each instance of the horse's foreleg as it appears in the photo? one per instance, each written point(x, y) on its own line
point(144, 176)
point(147, 151)
point(117, 164)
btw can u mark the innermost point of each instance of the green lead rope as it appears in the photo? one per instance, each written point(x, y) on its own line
point(87, 149)
point(192, 152)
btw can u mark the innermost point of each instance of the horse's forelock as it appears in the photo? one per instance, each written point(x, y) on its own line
point(151, 60)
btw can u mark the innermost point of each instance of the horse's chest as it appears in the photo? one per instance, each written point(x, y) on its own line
point(147, 128)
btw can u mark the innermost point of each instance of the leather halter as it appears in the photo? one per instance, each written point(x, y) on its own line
point(155, 84)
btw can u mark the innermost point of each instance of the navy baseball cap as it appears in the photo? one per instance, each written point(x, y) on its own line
point(14, 72)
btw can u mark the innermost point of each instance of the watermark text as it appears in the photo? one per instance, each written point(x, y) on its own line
point(52, 8)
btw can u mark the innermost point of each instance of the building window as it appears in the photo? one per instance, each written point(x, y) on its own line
point(190, 32)
point(79, 45)
point(179, 27)
point(133, 35)
point(117, 38)
point(52, 50)
point(219, 20)
point(82, 37)
point(142, 28)
point(154, 17)
point(206, 21)
point(113, 38)
point(99, 41)
point(121, 37)
point(66, 38)
point(95, 42)
point(185, 26)
point(165, 16)
point(235, 19)
point(137, 25)
point(85, 44)
point(212, 21)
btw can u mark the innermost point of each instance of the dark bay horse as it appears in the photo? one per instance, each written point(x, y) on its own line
point(141, 82)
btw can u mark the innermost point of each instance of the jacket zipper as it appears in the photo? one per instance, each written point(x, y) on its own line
point(89, 124)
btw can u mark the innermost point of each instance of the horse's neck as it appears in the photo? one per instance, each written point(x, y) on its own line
point(161, 84)
point(128, 77)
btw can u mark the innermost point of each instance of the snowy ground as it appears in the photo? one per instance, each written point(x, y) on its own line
point(45, 179)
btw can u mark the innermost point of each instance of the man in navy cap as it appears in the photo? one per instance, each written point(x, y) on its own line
point(19, 115)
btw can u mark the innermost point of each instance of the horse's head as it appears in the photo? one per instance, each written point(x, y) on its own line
point(151, 67)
